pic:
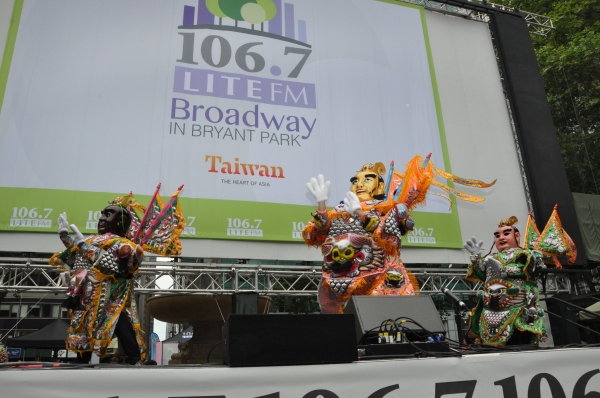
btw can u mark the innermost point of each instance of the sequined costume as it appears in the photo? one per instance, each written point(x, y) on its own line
point(104, 286)
point(99, 271)
point(371, 244)
point(361, 239)
point(509, 298)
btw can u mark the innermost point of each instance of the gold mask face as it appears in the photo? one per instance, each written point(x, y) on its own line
point(366, 185)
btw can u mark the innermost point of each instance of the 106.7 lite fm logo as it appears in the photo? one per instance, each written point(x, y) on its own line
point(246, 51)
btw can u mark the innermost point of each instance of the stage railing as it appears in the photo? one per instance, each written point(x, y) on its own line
point(35, 275)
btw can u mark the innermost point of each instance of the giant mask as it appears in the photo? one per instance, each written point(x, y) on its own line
point(368, 183)
point(114, 219)
point(348, 259)
point(506, 235)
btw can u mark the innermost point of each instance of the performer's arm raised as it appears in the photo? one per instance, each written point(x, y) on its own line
point(476, 271)
point(316, 231)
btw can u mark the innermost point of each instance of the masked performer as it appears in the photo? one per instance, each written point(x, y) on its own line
point(361, 238)
point(100, 269)
point(101, 286)
point(360, 242)
point(509, 311)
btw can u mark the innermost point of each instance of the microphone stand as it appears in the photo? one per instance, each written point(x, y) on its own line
point(457, 318)
point(458, 321)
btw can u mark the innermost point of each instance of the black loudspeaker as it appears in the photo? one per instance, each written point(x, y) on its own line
point(563, 332)
point(261, 340)
point(540, 149)
point(371, 311)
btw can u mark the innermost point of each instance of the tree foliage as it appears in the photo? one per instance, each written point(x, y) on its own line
point(295, 305)
point(569, 60)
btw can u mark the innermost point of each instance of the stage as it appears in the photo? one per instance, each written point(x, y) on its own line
point(566, 372)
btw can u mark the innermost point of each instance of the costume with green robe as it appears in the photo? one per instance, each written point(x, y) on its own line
point(509, 298)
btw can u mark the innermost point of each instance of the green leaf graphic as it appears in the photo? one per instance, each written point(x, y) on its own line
point(269, 7)
point(213, 7)
point(233, 8)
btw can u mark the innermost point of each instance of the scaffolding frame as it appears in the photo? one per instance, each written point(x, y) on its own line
point(18, 275)
point(476, 10)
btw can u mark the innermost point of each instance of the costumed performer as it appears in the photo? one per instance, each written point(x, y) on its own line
point(100, 293)
point(508, 312)
point(99, 272)
point(361, 239)
point(360, 242)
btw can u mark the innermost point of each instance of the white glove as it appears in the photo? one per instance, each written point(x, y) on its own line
point(493, 265)
point(472, 246)
point(351, 203)
point(65, 278)
point(319, 188)
point(402, 211)
point(63, 224)
point(78, 236)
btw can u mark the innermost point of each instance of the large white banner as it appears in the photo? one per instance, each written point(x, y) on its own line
point(243, 101)
point(565, 373)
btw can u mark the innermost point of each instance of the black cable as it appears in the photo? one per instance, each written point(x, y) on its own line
point(435, 340)
point(390, 325)
point(434, 334)
point(457, 343)
point(570, 321)
point(571, 305)
point(452, 344)
point(366, 333)
point(211, 350)
point(436, 353)
point(407, 319)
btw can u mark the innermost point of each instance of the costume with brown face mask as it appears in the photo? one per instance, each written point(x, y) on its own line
point(100, 286)
point(508, 312)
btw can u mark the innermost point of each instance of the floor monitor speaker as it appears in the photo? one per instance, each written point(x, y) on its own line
point(371, 311)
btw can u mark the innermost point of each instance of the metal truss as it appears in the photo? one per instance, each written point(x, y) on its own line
point(538, 24)
point(432, 281)
point(556, 283)
point(34, 276)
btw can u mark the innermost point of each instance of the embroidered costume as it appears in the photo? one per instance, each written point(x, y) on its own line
point(99, 271)
point(361, 253)
point(509, 304)
point(104, 285)
point(509, 297)
point(361, 239)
